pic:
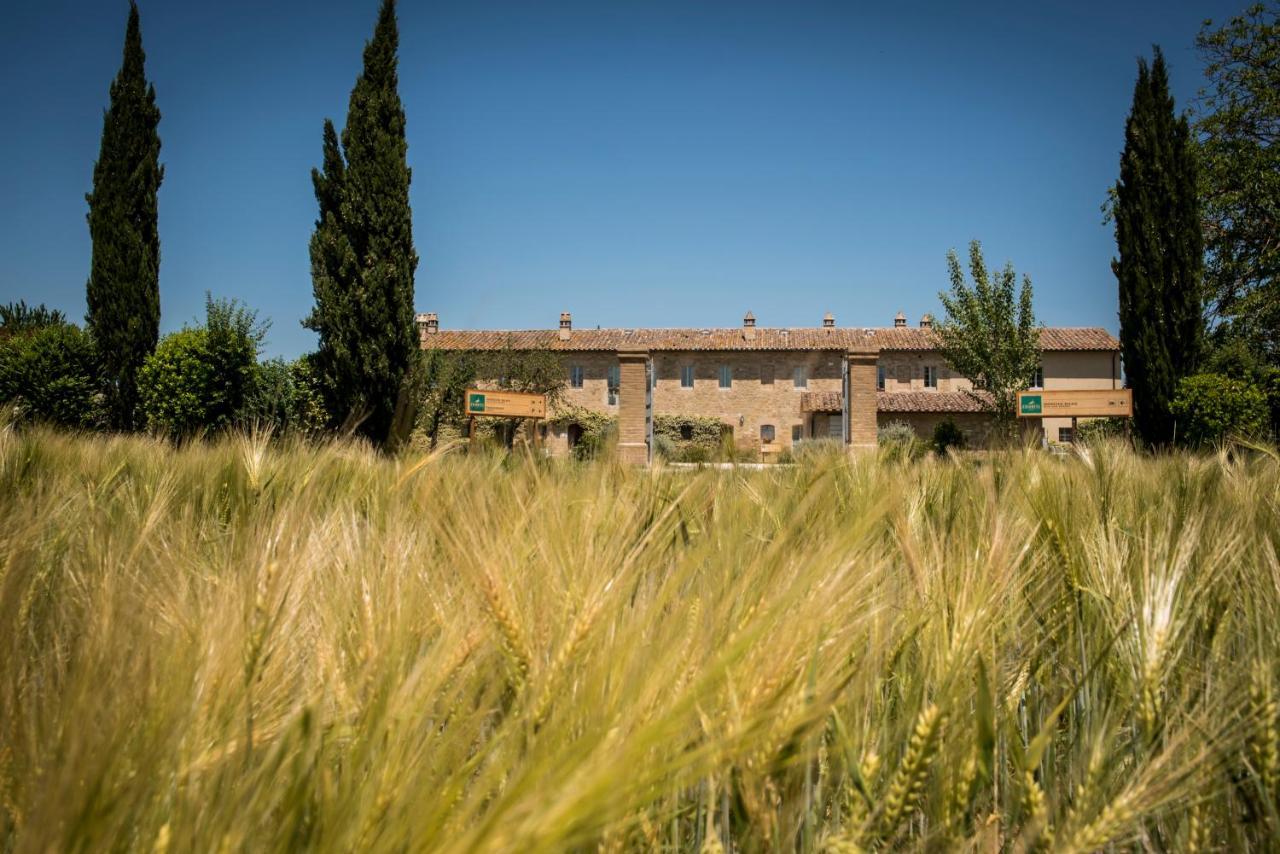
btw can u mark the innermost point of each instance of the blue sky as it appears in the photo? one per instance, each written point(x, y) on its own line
point(636, 163)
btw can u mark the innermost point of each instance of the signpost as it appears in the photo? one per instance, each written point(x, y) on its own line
point(1085, 403)
point(1073, 404)
point(504, 404)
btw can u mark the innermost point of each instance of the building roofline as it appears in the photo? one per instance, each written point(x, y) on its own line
point(688, 339)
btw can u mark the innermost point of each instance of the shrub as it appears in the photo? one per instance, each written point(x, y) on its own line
point(597, 429)
point(947, 435)
point(18, 317)
point(1211, 408)
point(175, 384)
point(51, 373)
point(1099, 429)
point(198, 379)
point(285, 397)
point(898, 440)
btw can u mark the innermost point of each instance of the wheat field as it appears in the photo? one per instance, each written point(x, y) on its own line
point(255, 645)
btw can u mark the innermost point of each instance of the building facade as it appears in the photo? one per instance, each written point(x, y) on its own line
point(771, 388)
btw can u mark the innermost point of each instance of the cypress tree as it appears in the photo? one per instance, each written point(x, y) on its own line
point(123, 291)
point(362, 256)
point(1160, 244)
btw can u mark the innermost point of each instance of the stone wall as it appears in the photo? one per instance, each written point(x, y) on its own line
point(763, 390)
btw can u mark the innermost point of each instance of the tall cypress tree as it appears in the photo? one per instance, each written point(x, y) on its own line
point(123, 291)
point(1161, 249)
point(362, 256)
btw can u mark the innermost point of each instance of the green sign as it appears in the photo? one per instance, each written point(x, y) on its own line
point(1030, 404)
point(476, 403)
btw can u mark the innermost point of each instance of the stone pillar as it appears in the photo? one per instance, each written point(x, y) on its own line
point(633, 445)
point(862, 397)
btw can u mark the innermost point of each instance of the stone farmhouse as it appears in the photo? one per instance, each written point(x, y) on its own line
point(772, 388)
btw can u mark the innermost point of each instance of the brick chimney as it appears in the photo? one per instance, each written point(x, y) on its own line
point(828, 320)
point(899, 320)
point(566, 325)
point(926, 321)
point(428, 324)
point(749, 326)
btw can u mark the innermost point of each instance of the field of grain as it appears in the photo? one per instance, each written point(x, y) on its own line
point(246, 645)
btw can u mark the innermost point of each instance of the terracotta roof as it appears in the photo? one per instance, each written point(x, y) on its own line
point(821, 401)
point(898, 401)
point(930, 401)
point(808, 338)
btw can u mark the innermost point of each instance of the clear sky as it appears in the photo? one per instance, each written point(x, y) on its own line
point(637, 163)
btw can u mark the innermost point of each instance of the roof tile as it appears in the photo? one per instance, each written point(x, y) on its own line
point(808, 338)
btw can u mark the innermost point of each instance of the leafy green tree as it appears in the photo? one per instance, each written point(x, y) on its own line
point(1239, 145)
point(1157, 223)
point(1211, 409)
point(989, 334)
point(362, 255)
point(123, 290)
point(198, 379)
point(50, 371)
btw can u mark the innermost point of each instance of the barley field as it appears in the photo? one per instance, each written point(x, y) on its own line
point(248, 645)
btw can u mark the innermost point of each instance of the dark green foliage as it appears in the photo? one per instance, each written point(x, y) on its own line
point(947, 435)
point(16, 317)
point(285, 398)
point(1158, 237)
point(197, 380)
point(362, 255)
point(1239, 134)
point(50, 372)
point(989, 333)
point(123, 291)
point(1211, 408)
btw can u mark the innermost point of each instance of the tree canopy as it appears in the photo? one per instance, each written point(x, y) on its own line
point(123, 291)
point(989, 333)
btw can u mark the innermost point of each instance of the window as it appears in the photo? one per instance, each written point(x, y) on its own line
point(930, 376)
point(879, 377)
point(766, 374)
point(686, 376)
point(1066, 434)
point(801, 376)
point(653, 375)
point(575, 376)
point(766, 433)
point(726, 376)
point(797, 432)
point(615, 380)
point(1037, 378)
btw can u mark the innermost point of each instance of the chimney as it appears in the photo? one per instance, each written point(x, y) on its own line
point(749, 326)
point(899, 320)
point(828, 320)
point(566, 325)
point(428, 324)
point(926, 321)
